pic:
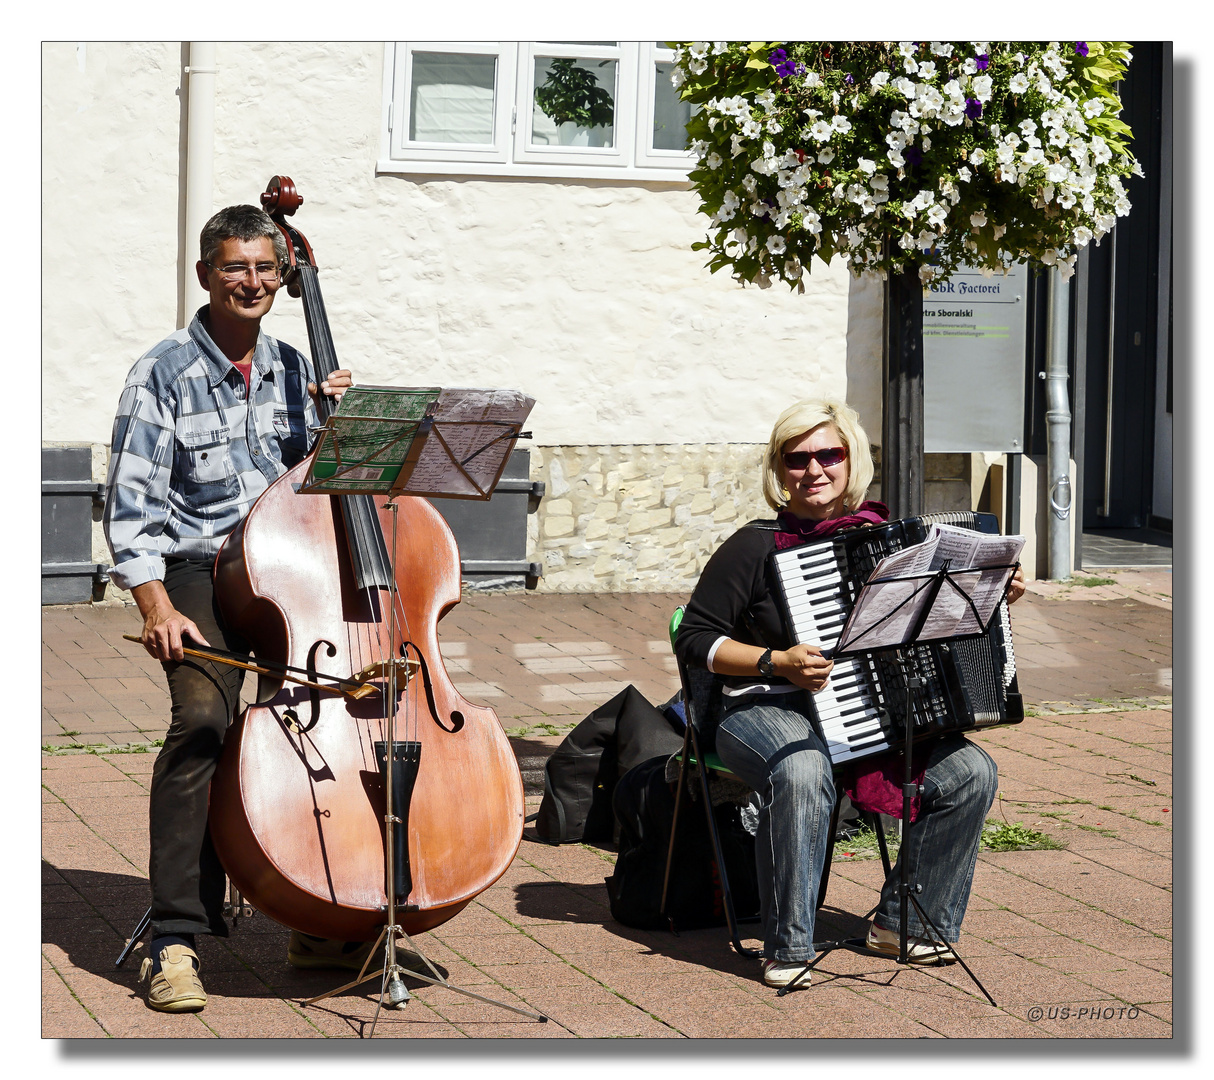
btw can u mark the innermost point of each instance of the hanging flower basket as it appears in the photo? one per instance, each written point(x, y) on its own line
point(930, 155)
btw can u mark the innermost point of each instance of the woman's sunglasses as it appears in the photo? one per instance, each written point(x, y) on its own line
point(798, 460)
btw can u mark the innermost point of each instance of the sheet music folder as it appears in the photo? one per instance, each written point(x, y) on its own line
point(947, 587)
point(424, 440)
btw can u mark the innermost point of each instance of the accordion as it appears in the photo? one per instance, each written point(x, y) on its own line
point(965, 683)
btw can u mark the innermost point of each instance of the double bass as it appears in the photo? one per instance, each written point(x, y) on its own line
point(343, 584)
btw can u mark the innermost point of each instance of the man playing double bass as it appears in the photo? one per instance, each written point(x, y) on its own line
point(208, 418)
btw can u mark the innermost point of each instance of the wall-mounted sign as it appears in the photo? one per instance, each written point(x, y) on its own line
point(973, 363)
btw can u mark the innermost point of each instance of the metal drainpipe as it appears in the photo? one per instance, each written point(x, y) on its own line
point(1058, 427)
point(199, 157)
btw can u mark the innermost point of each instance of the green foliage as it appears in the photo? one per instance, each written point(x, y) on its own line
point(1012, 836)
point(571, 94)
point(895, 155)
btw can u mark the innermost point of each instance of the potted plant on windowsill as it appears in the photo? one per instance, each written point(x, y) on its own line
point(572, 95)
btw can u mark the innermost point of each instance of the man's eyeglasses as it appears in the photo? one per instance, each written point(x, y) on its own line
point(239, 271)
point(798, 460)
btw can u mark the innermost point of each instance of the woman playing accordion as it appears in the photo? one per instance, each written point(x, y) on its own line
point(817, 468)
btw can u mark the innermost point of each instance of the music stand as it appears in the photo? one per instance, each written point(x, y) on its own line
point(914, 617)
point(415, 441)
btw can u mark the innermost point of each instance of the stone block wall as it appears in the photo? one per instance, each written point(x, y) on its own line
point(647, 518)
point(639, 518)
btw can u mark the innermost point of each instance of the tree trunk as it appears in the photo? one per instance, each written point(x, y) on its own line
point(902, 395)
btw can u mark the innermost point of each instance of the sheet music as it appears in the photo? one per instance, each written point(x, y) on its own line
point(369, 460)
point(466, 421)
point(888, 611)
point(952, 616)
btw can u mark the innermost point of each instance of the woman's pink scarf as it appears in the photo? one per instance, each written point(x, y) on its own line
point(794, 531)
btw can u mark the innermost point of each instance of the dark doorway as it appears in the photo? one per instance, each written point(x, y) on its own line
point(1125, 290)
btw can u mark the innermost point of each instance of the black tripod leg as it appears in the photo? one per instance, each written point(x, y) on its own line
point(940, 938)
point(133, 940)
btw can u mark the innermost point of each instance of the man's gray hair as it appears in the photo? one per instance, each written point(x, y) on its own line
point(240, 223)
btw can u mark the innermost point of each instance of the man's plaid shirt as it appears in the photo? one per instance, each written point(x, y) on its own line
point(190, 454)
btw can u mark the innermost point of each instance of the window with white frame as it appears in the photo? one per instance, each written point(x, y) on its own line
point(601, 109)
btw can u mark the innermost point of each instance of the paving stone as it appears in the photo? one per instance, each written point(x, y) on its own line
point(1044, 928)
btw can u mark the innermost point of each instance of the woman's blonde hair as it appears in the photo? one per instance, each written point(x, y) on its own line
point(803, 417)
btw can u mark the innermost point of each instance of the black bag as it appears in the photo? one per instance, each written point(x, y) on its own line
point(644, 808)
point(582, 772)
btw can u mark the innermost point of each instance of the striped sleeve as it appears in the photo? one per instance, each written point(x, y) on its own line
point(137, 486)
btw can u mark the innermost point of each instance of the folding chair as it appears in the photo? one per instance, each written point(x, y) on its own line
point(701, 700)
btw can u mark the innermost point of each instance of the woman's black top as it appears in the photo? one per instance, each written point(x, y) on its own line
point(736, 598)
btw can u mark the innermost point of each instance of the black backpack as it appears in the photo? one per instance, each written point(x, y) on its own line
point(644, 807)
point(581, 774)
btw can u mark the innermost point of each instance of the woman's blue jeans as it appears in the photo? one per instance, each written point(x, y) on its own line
point(770, 744)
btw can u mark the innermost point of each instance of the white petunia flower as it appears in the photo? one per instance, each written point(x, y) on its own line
point(840, 123)
point(978, 155)
point(826, 156)
point(714, 160)
point(776, 245)
point(978, 219)
point(866, 166)
point(821, 131)
point(879, 80)
point(812, 79)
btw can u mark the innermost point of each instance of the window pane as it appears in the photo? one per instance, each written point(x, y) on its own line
point(574, 102)
point(670, 115)
point(452, 98)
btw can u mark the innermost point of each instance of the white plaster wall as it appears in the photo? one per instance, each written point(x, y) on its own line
point(110, 127)
point(586, 295)
point(865, 312)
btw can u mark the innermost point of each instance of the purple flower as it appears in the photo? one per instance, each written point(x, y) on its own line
point(1081, 47)
point(983, 61)
point(913, 155)
point(789, 67)
point(973, 108)
point(849, 80)
point(777, 57)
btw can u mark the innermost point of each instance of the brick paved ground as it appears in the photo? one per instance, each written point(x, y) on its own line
point(1079, 932)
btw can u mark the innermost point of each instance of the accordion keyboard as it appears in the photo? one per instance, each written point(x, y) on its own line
point(817, 605)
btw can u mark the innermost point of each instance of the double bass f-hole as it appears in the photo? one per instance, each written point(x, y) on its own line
point(313, 695)
point(457, 717)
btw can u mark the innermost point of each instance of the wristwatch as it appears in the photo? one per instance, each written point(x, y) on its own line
point(766, 667)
